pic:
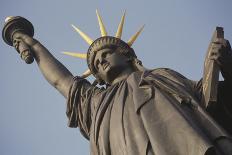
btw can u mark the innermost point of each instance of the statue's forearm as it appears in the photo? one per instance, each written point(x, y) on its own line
point(55, 72)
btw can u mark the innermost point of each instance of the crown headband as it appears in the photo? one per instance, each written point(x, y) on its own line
point(103, 36)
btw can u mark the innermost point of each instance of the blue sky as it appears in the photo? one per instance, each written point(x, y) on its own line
point(32, 113)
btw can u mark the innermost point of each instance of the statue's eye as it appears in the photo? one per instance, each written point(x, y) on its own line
point(106, 53)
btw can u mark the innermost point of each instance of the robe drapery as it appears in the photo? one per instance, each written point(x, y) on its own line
point(156, 112)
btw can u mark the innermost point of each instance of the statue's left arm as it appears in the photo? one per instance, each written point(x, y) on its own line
point(223, 58)
point(222, 112)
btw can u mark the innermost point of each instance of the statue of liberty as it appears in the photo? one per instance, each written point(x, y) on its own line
point(129, 109)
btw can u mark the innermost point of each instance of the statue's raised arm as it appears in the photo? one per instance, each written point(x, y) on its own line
point(18, 32)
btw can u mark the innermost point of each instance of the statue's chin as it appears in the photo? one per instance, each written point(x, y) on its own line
point(111, 73)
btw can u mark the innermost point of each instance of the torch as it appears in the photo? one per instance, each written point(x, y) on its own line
point(14, 25)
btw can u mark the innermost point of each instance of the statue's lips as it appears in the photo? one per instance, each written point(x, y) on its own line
point(105, 65)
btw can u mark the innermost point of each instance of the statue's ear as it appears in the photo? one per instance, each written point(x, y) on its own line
point(138, 62)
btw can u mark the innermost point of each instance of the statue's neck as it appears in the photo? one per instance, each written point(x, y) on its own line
point(123, 75)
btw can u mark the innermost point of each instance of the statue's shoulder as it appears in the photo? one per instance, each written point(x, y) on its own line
point(167, 72)
point(164, 73)
point(160, 70)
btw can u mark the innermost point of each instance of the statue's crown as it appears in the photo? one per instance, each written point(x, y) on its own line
point(104, 41)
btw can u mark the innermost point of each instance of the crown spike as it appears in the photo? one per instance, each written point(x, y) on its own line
point(134, 37)
point(83, 35)
point(120, 27)
point(79, 55)
point(86, 74)
point(101, 25)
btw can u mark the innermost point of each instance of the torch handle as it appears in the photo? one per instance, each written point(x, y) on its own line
point(24, 50)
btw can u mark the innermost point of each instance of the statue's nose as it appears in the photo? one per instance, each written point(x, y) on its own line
point(102, 61)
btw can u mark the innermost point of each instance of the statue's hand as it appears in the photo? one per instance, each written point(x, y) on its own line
point(24, 45)
point(222, 54)
point(29, 41)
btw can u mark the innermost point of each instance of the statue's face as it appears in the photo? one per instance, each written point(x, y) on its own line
point(109, 64)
